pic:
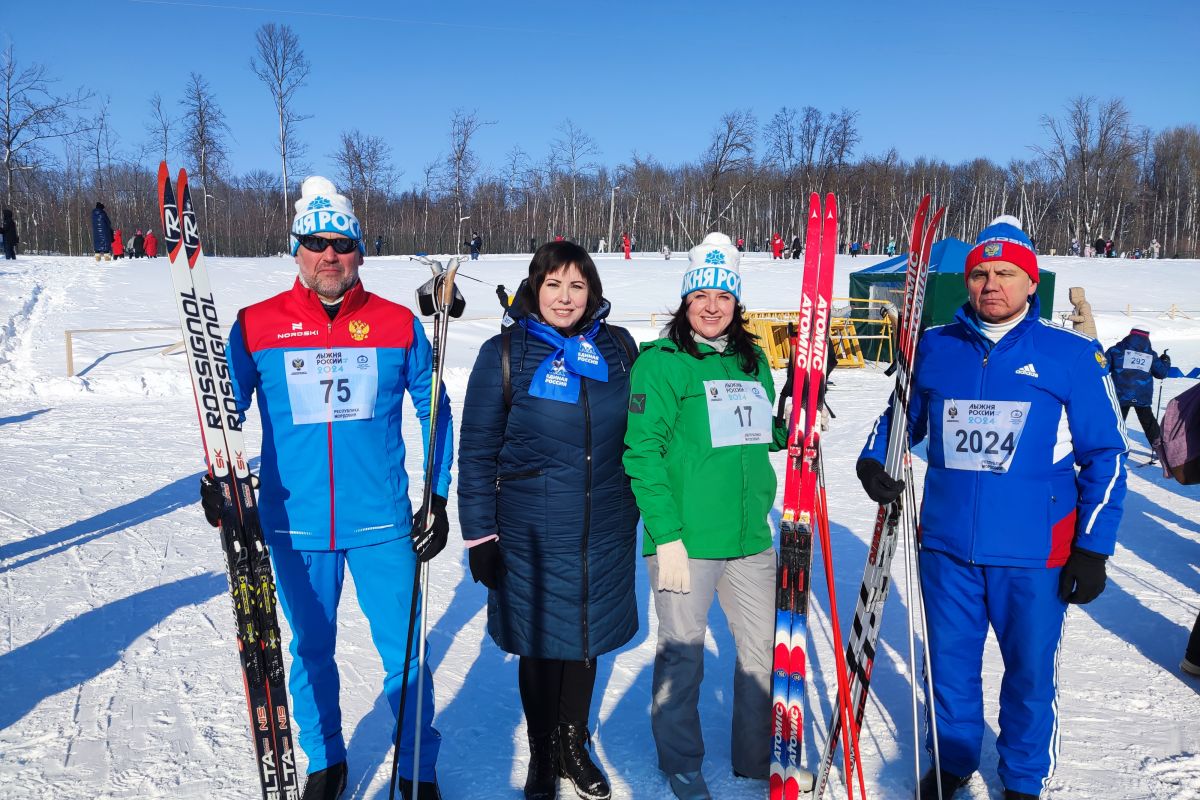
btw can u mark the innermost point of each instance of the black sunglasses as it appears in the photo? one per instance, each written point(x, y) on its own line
point(317, 244)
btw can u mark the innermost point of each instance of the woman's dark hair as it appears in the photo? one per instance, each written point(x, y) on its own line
point(552, 257)
point(679, 331)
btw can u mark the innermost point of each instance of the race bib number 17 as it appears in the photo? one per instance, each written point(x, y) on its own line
point(331, 385)
point(738, 413)
point(982, 435)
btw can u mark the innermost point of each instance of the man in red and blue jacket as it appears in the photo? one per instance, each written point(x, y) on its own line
point(1023, 495)
point(330, 364)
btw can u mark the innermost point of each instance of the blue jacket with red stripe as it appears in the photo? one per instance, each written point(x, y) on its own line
point(1007, 426)
point(330, 394)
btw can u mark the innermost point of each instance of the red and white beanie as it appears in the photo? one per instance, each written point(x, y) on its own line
point(1004, 240)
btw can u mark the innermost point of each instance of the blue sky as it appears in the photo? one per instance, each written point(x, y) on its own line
point(949, 80)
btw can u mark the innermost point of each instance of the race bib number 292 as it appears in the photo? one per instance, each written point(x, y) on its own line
point(331, 385)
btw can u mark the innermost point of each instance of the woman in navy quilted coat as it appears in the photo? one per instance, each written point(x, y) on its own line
point(545, 505)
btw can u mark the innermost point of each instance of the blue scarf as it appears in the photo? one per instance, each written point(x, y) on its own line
point(557, 377)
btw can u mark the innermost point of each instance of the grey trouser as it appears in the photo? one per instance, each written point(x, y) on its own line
point(746, 589)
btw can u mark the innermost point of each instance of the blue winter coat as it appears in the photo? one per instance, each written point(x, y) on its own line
point(1007, 426)
point(547, 477)
point(1134, 366)
point(102, 232)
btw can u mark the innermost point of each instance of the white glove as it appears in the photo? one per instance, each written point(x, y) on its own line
point(673, 574)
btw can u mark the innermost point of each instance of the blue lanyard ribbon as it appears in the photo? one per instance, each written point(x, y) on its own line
point(557, 377)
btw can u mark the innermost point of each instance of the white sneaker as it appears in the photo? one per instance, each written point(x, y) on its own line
point(689, 786)
point(1189, 667)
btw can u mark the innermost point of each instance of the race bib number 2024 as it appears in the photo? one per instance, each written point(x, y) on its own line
point(982, 435)
point(331, 385)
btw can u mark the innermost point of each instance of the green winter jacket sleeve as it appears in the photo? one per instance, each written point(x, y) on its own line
point(656, 385)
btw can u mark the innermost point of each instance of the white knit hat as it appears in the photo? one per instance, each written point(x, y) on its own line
point(321, 209)
point(713, 264)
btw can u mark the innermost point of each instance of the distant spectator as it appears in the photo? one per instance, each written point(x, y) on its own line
point(151, 245)
point(102, 232)
point(1074, 249)
point(1081, 320)
point(666, 252)
point(1109, 250)
point(741, 244)
point(1155, 247)
point(378, 245)
point(137, 247)
point(8, 234)
point(1134, 366)
point(776, 246)
point(797, 246)
point(475, 244)
point(855, 247)
point(559, 238)
point(118, 244)
point(867, 248)
point(1098, 245)
point(602, 247)
point(532, 244)
point(891, 247)
point(626, 245)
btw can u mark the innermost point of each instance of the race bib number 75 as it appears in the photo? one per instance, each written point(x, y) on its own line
point(331, 385)
point(982, 435)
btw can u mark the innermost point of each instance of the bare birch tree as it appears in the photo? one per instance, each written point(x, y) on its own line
point(572, 150)
point(730, 151)
point(283, 67)
point(31, 114)
point(159, 128)
point(204, 132)
point(365, 170)
point(461, 162)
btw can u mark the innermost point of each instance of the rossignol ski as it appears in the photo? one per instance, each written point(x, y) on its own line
point(868, 614)
point(803, 508)
point(251, 581)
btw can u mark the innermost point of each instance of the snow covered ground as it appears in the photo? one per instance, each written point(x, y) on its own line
point(117, 669)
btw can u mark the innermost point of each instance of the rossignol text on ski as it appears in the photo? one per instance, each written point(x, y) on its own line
point(251, 581)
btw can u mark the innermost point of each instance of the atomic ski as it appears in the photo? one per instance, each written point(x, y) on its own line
point(802, 508)
point(868, 614)
point(251, 581)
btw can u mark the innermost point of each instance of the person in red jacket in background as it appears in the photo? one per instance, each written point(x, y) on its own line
point(118, 244)
point(776, 246)
point(626, 245)
point(151, 245)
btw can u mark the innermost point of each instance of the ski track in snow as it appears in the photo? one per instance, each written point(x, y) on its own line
point(118, 675)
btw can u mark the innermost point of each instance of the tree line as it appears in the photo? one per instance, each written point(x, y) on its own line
point(1093, 173)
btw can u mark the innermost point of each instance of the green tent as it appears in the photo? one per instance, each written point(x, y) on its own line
point(945, 291)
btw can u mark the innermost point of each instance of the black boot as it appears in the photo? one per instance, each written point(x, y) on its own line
point(575, 762)
point(328, 784)
point(1013, 794)
point(541, 782)
point(426, 790)
point(951, 783)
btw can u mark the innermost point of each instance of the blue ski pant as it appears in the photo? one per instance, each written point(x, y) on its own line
point(309, 584)
point(1022, 606)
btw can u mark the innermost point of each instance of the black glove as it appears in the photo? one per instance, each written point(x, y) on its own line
point(427, 544)
point(879, 486)
point(487, 565)
point(1165, 359)
point(1082, 578)
point(212, 499)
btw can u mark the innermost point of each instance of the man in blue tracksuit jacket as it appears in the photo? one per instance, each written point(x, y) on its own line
point(330, 364)
point(1023, 495)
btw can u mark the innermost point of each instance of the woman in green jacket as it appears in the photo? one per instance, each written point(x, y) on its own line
point(700, 430)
